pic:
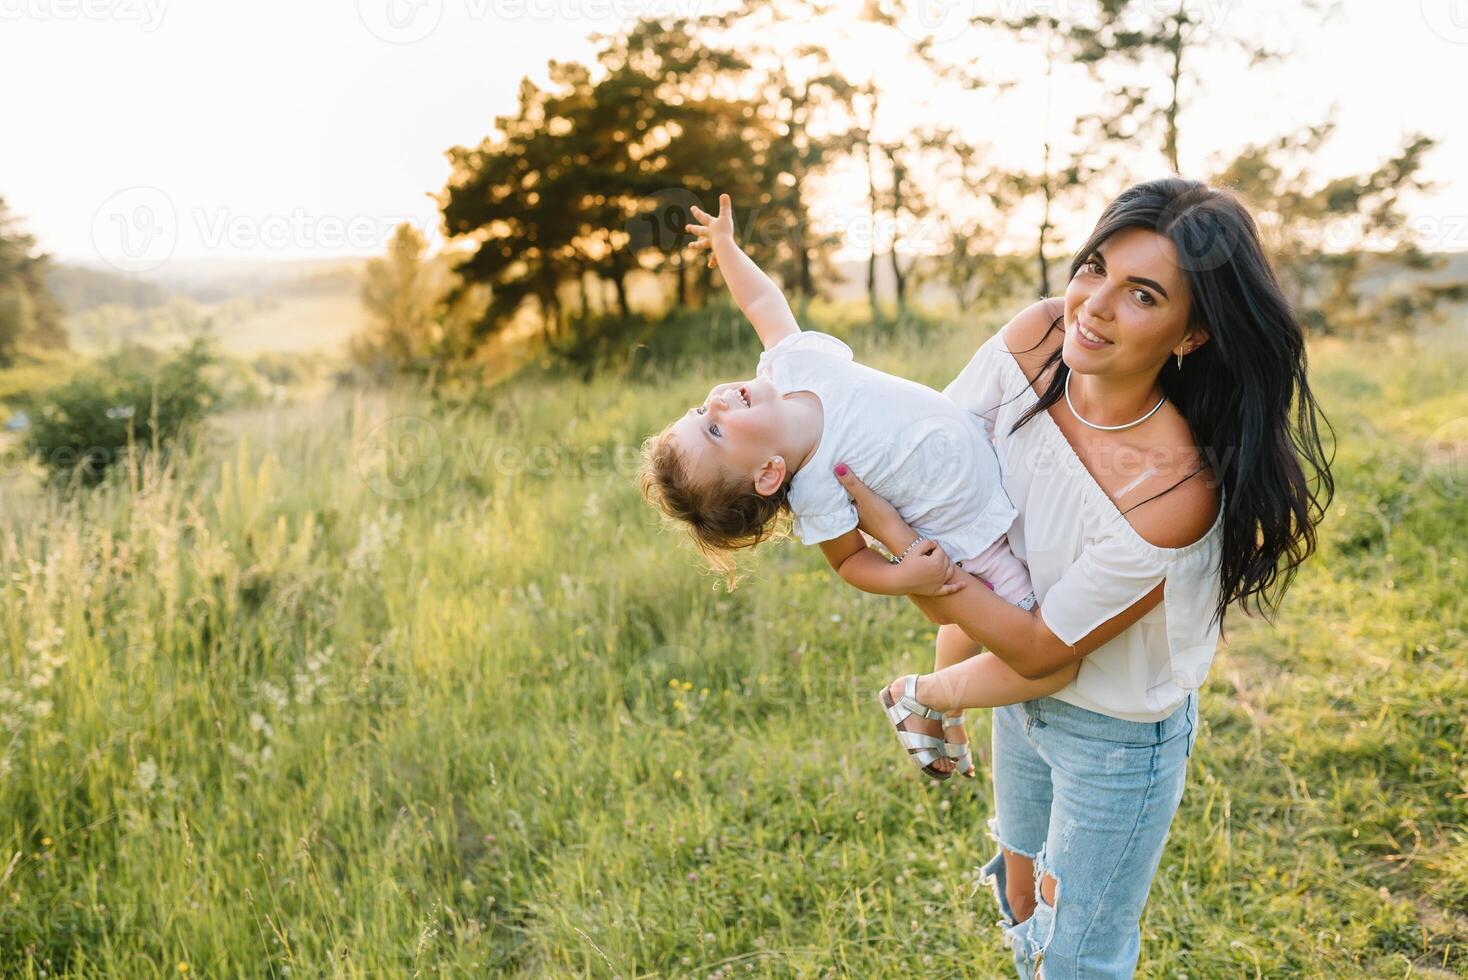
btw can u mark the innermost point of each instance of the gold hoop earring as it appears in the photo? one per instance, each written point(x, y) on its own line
point(1180, 362)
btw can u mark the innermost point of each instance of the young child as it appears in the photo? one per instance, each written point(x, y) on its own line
point(758, 451)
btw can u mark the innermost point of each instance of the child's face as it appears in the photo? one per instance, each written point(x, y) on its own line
point(738, 431)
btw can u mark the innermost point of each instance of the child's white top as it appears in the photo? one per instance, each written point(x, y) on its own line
point(1088, 564)
point(929, 457)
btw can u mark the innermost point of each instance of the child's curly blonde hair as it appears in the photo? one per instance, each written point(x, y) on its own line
point(723, 517)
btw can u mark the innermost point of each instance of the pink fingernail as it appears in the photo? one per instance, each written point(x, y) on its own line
point(841, 469)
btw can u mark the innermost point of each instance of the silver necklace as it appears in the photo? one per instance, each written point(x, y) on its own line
point(1107, 428)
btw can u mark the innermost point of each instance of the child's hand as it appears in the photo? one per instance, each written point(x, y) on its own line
point(710, 228)
point(927, 571)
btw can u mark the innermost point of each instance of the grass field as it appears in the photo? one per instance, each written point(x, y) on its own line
point(379, 687)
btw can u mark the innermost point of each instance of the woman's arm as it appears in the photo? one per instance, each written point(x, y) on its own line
point(758, 296)
point(1018, 637)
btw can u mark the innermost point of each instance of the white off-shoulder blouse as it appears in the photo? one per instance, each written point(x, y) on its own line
point(1087, 563)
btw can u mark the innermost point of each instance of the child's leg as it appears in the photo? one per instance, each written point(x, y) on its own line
point(953, 647)
point(1005, 574)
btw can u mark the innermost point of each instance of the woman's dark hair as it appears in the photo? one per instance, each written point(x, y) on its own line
point(1238, 389)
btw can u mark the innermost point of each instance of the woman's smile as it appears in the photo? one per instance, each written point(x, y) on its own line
point(1088, 338)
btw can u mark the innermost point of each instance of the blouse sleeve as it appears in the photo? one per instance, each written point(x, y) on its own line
point(1108, 578)
point(815, 528)
point(979, 387)
point(802, 342)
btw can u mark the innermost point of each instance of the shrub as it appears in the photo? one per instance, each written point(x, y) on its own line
point(132, 400)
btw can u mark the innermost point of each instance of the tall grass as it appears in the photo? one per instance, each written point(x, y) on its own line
point(386, 687)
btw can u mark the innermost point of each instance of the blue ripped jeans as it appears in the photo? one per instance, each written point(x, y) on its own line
point(1090, 799)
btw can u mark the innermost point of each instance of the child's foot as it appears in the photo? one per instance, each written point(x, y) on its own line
point(924, 726)
point(955, 734)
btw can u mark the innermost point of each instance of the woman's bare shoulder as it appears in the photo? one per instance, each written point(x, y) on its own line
point(1028, 336)
point(1185, 508)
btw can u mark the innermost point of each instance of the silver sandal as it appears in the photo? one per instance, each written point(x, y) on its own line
point(923, 749)
point(963, 759)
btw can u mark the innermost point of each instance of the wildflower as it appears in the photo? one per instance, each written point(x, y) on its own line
point(146, 775)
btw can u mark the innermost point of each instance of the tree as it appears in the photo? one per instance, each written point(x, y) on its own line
point(419, 319)
point(973, 262)
point(29, 316)
point(593, 177)
point(1168, 36)
point(1331, 238)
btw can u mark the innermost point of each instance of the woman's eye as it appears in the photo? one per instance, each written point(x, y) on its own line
point(1144, 297)
point(1091, 265)
point(700, 410)
point(714, 429)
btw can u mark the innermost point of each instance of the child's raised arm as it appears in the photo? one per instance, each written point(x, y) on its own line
point(756, 294)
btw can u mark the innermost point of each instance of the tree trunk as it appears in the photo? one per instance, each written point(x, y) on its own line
point(806, 283)
point(899, 280)
point(1172, 106)
point(619, 279)
point(866, 153)
point(1048, 193)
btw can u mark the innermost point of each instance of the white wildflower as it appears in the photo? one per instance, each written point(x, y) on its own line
point(146, 775)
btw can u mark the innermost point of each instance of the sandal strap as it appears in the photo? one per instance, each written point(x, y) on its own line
point(953, 721)
point(912, 704)
point(925, 757)
point(917, 740)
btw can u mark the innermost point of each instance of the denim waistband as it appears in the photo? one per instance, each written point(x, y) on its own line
point(1093, 724)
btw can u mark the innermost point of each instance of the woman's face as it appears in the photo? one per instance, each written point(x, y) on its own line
point(1130, 293)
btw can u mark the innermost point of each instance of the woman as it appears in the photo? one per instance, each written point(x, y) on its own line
point(1155, 428)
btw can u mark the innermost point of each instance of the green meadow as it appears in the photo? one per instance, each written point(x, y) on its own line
point(378, 685)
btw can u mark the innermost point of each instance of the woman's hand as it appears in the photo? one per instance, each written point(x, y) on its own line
point(710, 227)
point(874, 515)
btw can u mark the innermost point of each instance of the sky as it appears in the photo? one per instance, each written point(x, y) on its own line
point(138, 132)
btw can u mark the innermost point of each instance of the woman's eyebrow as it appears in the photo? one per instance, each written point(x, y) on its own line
point(1149, 284)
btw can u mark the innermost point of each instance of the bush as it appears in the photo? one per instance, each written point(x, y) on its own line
point(132, 400)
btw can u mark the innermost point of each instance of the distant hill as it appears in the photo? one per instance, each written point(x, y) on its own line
point(79, 288)
point(249, 307)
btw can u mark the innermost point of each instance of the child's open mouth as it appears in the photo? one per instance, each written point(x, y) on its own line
point(743, 393)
